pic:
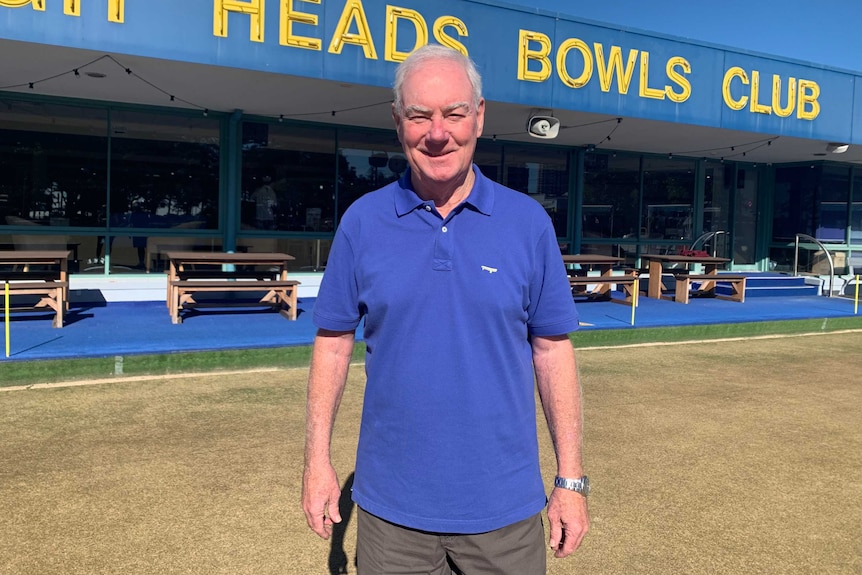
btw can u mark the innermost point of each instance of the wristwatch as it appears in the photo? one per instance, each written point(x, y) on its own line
point(580, 485)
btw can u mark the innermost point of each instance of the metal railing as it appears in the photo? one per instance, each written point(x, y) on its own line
point(705, 237)
point(825, 251)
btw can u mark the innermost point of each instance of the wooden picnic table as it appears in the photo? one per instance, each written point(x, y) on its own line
point(43, 273)
point(190, 272)
point(657, 262)
point(602, 283)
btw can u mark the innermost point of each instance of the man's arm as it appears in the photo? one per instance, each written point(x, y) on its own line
point(560, 393)
point(327, 377)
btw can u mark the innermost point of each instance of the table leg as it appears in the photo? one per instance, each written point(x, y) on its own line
point(655, 285)
point(64, 277)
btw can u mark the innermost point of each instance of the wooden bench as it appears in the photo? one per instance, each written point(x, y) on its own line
point(280, 294)
point(604, 284)
point(53, 296)
point(217, 274)
point(708, 283)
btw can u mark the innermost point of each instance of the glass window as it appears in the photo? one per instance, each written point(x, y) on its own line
point(856, 212)
point(834, 192)
point(745, 215)
point(287, 177)
point(794, 202)
point(53, 164)
point(366, 161)
point(668, 198)
point(611, 196)
point(717, 194)
point(164, 175)
point(718, 187)
point(489, 157)
point(164, 170)
point(543, 174)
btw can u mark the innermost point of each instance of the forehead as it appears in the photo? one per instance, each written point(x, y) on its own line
point(437, 84)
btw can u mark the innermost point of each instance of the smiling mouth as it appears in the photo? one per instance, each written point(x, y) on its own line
point(440, 154)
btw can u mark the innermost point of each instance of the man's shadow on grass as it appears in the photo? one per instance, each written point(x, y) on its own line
point(338, 560)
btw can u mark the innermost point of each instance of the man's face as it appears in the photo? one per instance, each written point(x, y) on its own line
point(439, 126)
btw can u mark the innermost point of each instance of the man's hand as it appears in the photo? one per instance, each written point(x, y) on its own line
point(320, 495)
point(569, 521)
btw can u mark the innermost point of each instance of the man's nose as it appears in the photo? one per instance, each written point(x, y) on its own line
point(438, 131)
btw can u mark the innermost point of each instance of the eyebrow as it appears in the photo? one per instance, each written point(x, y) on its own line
point(415, 109)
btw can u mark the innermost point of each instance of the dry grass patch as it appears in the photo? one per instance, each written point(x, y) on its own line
point(732, 457)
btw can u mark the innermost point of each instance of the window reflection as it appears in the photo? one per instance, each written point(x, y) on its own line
point(53, 164)
point(611, 196)
point(795, 191)
point(856, 212)
point(832, 204)
point(543, 175)
point(164, 171)
point(367, 161)
point(164, 175)
point(287, 178)
point(668, 200)
point(489, 158)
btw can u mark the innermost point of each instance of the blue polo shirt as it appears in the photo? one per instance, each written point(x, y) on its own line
point(448, 435)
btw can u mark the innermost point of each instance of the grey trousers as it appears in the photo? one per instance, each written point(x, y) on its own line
point(384, 548)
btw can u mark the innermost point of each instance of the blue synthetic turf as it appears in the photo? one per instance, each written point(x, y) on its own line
point(134, 328)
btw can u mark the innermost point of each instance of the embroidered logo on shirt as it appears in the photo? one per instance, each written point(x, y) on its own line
point(490, 270)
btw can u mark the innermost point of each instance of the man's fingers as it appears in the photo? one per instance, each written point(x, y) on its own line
point(571, 540)
point(556, 535)
point(334, 512)
point(319, 524)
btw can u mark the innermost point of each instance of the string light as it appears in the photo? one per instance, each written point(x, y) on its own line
point(333, 112)
point(608, 137)
point(76, 71)
point(172, 97)
point(740, 150)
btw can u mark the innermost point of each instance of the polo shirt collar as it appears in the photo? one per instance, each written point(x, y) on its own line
point(481, 197)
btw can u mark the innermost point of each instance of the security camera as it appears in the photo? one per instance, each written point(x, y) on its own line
point(543, 127)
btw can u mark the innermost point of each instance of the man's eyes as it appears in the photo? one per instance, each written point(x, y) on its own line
point(452, 116)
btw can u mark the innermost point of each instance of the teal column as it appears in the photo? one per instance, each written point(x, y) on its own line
point(233, 179)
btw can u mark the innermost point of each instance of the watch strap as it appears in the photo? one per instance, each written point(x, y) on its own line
point(580, 485)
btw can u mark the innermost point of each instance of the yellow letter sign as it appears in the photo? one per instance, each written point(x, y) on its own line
point(253, 7)
point(353, 11)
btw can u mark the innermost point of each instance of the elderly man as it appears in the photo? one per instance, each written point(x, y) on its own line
point(466, 305)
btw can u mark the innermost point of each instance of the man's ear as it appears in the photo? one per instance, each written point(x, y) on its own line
point(480, 117)
point(396, 117)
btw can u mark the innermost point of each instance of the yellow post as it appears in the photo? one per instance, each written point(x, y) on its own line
point(6, 314)
point(856, 299)
point(635, 300)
